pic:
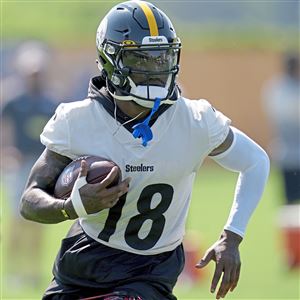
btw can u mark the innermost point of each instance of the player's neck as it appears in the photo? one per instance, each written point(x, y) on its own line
point(132, 109)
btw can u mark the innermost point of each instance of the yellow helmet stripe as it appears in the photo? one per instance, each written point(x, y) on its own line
point(150, 18)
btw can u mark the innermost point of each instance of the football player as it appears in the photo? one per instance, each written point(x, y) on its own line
point(126, 242)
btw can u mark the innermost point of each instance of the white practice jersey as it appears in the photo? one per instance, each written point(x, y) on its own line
point(150, 218)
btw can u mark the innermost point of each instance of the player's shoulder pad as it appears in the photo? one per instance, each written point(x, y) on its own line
point(73, 108)
point(199, 108)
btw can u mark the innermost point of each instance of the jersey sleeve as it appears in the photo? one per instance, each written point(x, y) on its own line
point(217, 125)
point(55, 135)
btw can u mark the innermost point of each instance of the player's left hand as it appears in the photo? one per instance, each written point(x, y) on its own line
point(225, 252)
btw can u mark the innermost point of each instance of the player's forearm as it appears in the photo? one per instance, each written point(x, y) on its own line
point(249, 189)
point(251, 161)
point(38, 206)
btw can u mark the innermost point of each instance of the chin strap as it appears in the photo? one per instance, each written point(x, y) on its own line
point(143, 130)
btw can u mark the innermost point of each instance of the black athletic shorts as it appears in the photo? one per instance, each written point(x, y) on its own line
point(86, 268)
point(292, 185)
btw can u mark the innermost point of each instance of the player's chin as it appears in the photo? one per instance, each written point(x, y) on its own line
point(140, 106)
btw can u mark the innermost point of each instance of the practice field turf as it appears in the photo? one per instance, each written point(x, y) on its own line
point(264, 274)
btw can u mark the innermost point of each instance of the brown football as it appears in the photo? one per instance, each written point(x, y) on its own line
point(99, 168)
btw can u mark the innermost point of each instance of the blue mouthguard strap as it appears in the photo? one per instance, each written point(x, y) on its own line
point(143, 130)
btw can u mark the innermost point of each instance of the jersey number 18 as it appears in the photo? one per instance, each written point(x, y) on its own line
point(145, 213)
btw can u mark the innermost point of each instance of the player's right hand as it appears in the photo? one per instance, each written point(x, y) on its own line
point(96, 197)
point(225, 253)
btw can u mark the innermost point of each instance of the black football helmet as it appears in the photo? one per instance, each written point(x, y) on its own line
point(138, 53)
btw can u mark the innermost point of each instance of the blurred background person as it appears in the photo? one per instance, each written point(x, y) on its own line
point(281, 97)
point(22, 120)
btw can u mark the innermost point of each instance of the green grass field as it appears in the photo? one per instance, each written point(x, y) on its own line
point(264, 274)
